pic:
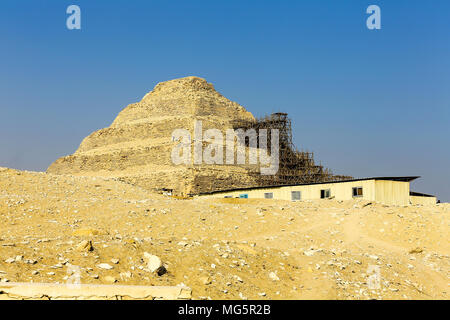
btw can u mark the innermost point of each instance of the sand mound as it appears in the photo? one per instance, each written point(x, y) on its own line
point(221, 249)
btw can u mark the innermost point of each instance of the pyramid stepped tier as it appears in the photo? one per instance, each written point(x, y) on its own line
point(137, 147)
point(189, 96)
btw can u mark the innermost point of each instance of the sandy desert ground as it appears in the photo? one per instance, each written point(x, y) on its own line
point(222, 249)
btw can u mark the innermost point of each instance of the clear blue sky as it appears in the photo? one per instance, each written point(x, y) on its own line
point(368, 103)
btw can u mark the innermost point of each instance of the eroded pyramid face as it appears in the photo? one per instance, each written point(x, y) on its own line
point(190, 96)
point(137, 147)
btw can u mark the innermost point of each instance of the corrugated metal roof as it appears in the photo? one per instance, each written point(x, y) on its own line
point(418, 194)
point(401, 179)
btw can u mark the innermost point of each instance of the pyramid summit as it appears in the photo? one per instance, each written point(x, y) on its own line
point(191, 96)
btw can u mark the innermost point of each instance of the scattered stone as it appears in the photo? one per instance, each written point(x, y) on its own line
point(115, 261)
point(110, 279)
point(87, 232)
point(205, 280)
point(8, 244)
point(416, 250)
point(309, 253)
point(125, 275)
point(85, 245)
point(273, 276)
point(30, 261)
point(242, 296)
point(105, 266)
point(154, 264)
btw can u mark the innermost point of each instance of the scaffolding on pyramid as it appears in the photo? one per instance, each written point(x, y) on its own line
point(295, 167)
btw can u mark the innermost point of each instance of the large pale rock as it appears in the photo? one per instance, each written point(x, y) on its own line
point(85, 245)
point(105, 266)
point(154, 264)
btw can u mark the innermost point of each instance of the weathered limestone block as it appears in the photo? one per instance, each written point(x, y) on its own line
point(51, 291)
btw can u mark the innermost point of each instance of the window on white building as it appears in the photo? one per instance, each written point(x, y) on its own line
point(357, 192)
point(325, 194)
point(296, 195)
point(268, 195)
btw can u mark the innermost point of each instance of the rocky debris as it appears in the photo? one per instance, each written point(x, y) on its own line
point(242, 296)
point(154, 264)
point(8, 244)
point(310, 252)
point(85, 245)
point(206, 280)
point(105, 266)
point(416, 250)
point(125, 275)
point(87, 232)
point(110, 279)
point(217, 257)
point(30, 261)
point(273, 276)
